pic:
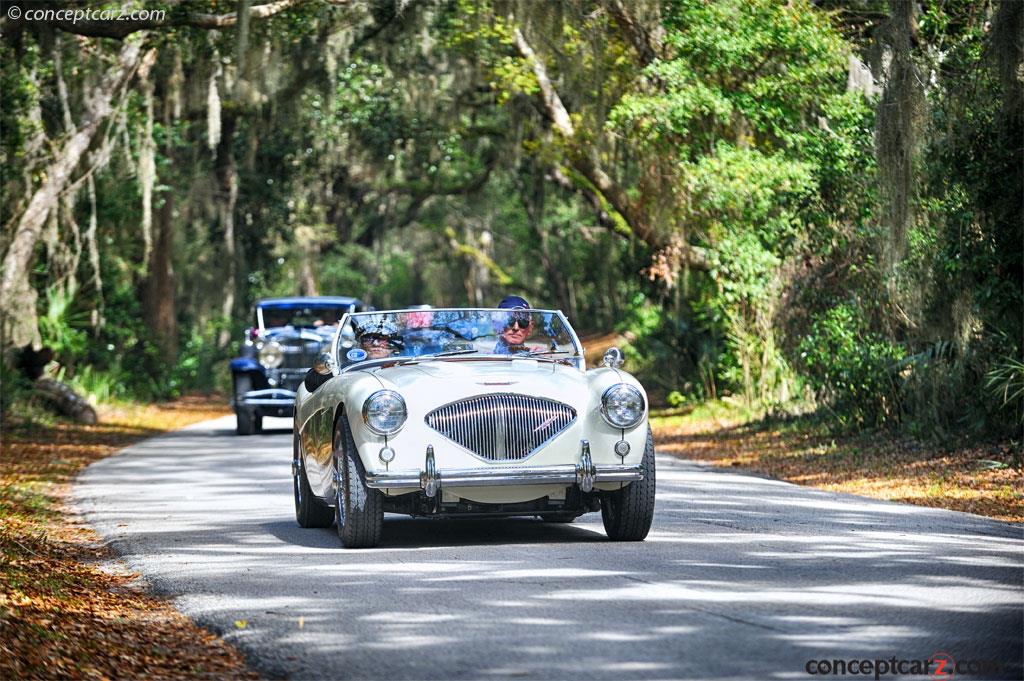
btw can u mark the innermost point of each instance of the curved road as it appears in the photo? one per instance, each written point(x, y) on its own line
point(740, 578)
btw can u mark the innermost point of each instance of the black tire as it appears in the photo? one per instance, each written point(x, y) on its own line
point(309, 510)
point(358, 510)
point(257, 424)
point(245, 420)
point(627, 513)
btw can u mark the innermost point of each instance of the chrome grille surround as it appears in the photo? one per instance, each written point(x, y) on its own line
point(501, 426)
point(299, 353)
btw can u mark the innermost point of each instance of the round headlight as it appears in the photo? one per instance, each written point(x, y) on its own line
point(622, 405)
point(271, 355)
point(384, 412)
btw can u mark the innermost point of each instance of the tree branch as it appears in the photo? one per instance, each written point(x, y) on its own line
point(636, 34)
point(17, 297)
point(120, 29)
point(549, 96)
point(624, 216)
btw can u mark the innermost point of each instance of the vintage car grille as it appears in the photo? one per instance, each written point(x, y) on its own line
point(503, 427)
point(299, 353)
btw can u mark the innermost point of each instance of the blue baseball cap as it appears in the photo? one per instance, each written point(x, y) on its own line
point(513, 303)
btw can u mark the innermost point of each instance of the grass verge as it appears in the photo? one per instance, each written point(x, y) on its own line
point(63, 612)
point(976, 478)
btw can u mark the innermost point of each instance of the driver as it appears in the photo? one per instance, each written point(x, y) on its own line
point(517, 327)
point(380, 338)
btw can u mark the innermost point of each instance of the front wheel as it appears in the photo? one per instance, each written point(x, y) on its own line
point(246, 421)
point(359, 510)
point(627, 513)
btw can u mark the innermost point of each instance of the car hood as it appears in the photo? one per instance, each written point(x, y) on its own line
point(430, 384)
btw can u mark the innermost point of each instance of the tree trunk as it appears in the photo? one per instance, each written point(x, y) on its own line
point(227, 181)
point(17, 298)
point(533, 202)
point(309, 253)
point(159, 304)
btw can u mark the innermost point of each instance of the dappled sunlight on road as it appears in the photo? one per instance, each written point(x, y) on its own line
point(783, 572)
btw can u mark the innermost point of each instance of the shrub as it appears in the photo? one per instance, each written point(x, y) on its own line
point(852, 369)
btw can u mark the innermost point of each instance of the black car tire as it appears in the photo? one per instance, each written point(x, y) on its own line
point(359, 510)
point(309, 510)
point(246, 421)
point(627, 513)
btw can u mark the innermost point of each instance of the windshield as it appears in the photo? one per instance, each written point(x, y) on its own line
point(311, 316)
point(411, 334)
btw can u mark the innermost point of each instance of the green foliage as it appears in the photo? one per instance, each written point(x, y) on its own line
point(1005, 381)
point(854, 370)
point(15, 391)
point(63, 328)
point(19, 87)
point(675, 399)
point(409, 162)
point(742, 71)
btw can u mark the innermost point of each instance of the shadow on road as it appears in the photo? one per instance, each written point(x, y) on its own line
point(421, 533)
point(741, 577)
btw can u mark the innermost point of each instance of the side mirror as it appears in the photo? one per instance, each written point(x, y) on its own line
point(324, 364)
point(612, 358)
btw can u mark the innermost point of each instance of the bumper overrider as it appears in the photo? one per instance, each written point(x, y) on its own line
point(584, 474)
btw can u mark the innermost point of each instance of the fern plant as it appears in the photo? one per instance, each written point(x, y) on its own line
point(1006, 382)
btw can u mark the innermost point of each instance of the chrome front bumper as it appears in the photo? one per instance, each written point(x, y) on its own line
point(271, 397)
point(431, 479)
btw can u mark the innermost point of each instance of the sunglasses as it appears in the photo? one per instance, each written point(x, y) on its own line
point(375, 340)
point(520, 322)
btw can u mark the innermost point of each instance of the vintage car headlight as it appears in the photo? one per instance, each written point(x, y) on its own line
point(622, 405)
point(384, 412)
point(271, 355)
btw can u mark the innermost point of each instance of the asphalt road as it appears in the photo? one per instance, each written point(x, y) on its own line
point(740, 578)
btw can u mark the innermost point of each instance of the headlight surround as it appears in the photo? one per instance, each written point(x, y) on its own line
point(384, 412)
point(622, 405)
point(271, 355)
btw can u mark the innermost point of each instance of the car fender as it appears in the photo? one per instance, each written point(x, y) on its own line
point(241, 365)
point(316, 416)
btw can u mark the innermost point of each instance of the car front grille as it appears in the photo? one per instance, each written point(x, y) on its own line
point(502, 427)
point(298, 353)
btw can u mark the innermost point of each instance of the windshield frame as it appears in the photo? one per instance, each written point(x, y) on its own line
point(340, 311)
point(576, 360)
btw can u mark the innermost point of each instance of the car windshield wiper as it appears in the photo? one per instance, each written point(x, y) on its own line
point(450, 353)
point(433, 355)
point(542, 353)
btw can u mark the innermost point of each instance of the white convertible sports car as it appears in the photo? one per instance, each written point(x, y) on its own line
point(469, 412)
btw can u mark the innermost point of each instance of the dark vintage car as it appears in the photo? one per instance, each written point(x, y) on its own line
point(287, 336)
